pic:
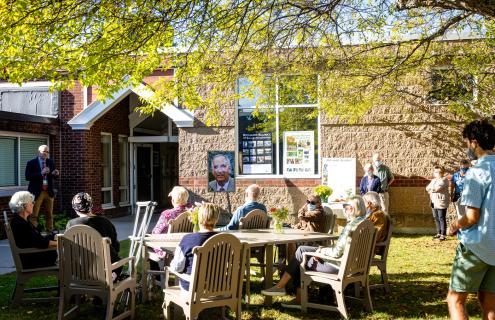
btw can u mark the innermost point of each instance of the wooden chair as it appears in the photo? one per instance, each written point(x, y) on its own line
point(379, 259)
point(353, 268)
point(181, 223)
point(23, 275)
point(85, 268)
point(330, 219)
point(255, 219)
point(215, 281)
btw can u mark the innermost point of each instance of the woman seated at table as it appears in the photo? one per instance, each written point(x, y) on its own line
point(27, 236)
point(311, 216)
point(183, 257)
point(82, 203)
point(354, 210)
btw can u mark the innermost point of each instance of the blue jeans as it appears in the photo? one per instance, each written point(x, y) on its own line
point(294, 264)
point(440, 215)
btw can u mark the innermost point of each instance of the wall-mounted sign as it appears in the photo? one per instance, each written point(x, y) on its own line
point(299, 152)
point(257, 153)
point(340, 175)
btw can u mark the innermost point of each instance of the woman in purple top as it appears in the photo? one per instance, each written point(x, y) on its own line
point(183, 257)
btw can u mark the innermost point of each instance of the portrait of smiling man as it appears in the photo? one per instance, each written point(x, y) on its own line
point(221, 170)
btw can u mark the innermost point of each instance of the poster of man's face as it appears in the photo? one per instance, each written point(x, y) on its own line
point(221, 171)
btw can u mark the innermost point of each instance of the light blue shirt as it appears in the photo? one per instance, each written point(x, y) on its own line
point(242, 211)
point(479, 192)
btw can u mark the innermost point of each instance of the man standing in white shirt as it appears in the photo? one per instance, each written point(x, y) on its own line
point(386, 177)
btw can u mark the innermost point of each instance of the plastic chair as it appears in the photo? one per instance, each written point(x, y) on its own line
point(379, 260)
point(354, 266)
point(181, 223)
point(23, 275)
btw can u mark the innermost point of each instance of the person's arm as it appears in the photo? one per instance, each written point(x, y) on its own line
point(30, 172)
point(161, 225)
point(390, 177)
point(234, 221)
point(362, 186)
point(337, 250)
point(178, 263)
point(464, 222)
point(314, 215)
point(379, 185)
point(429, 187)
point(452, 188)
point(52, 244)
point(301, 212)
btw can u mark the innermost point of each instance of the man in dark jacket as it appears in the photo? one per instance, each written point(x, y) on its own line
point(40, 173)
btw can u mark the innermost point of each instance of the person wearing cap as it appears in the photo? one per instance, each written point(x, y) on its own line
point(370, 182)
point(354, 210)
point(82, 203)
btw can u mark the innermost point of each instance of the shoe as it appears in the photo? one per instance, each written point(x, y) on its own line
point(441, 238)
point(292, 305)
point(274, 291)
point(436, 236)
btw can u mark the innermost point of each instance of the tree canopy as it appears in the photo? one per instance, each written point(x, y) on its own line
point(363, 53)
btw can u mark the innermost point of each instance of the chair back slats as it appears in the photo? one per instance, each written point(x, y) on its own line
point(255, 219)
point(83, 257)
point(181, 223)
point(386, 245)
point(329, 220)
point(13, 247)
point(358, 251)
point(221, 253)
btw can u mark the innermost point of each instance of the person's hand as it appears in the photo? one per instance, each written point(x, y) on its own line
point(55, 172)
point(453, 228)
point(45, 170)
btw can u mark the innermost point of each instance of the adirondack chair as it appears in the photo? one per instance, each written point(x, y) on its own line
point(215, 281)
point(330, 219)
point(255, 219)
point(85, 268)
point(181, 223)
point(380, 259)
point(23, 275)
point(354, 268)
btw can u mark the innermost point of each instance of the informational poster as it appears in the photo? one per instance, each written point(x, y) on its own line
point(340, 175)
point(257, 153)
point(299, 152)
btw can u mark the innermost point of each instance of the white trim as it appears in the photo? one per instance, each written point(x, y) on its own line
point(153, 139)
point(124, 139)
point(30, 84)
point(110, 188)
point(278, 176)
point(86, 118)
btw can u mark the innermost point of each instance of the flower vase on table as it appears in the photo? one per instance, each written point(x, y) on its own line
point(279, 215)
point(193, 217)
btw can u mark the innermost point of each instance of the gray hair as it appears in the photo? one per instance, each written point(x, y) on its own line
point(254, 190)
point(19, 201)
point(357, 203)
point(373, 198)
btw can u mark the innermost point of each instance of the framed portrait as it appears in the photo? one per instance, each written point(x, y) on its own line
point(221, 171)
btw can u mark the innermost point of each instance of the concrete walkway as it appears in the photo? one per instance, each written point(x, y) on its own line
point(123, 225)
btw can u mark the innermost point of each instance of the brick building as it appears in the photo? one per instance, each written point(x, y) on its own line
point(119, 156)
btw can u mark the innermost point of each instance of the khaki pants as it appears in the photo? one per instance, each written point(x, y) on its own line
point(45, 199)
point(384, 201)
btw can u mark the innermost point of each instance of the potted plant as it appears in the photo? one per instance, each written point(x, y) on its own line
point(324, 192)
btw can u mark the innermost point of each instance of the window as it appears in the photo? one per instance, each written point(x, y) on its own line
point(106, 170)
point(15, 152)
point(124, 170)
point(280, 135)
point(447, 85)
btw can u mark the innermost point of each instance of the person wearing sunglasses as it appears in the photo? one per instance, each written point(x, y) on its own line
point(311, 216)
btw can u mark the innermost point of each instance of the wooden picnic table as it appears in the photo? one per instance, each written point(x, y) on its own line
point(254, 238)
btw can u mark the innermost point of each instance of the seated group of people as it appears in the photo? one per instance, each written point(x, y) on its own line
point(310, 218)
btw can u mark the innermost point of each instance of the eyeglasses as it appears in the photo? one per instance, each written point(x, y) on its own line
point(314, 203)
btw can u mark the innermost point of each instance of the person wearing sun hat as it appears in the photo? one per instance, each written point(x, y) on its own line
point(82, 203)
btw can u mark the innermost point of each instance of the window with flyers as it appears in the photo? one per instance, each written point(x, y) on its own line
point(278, 126)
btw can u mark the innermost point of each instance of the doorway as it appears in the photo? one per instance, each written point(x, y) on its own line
point(144, 172)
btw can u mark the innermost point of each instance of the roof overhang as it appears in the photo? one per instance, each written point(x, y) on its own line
point(86, 118)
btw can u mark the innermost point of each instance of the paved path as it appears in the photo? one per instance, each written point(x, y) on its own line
point(123, 225)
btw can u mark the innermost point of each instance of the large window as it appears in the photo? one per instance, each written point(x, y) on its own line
point(106, 170)
point(15, 152)
point(278, 127)
point(124, 170)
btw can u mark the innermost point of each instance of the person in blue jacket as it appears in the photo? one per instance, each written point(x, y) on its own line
point(252, 194)
point(370, 182)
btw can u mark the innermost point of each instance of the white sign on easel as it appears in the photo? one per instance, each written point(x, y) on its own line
point(340, 175)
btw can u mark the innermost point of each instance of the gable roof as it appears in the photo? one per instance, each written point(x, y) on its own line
point(86, 118)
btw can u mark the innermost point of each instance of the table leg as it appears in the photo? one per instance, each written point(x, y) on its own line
point(268, 271)
point(248, 277)
point(144, 273)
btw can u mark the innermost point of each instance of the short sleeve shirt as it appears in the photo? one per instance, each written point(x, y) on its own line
point(383, 172)
point(479, 192)
point(458, 181)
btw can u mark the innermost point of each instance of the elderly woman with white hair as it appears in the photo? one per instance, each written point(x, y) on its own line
point(27, 236)
point(354, 210)
point(376, 215)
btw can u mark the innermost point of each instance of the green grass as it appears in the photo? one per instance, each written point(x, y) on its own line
point(419, 270)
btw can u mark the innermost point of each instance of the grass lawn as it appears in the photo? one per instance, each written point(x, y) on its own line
point(419, 270)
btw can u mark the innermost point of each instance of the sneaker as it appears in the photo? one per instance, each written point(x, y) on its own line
point(441, 238)
point(292, 305)
point(274, 291)
point(436, 236)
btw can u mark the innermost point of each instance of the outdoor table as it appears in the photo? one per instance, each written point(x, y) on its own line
point(254, 238)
